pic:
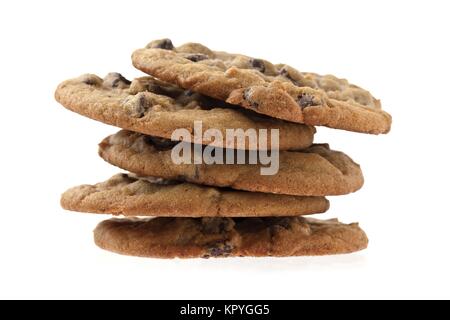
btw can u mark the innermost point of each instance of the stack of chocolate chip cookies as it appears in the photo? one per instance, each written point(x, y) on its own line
point(194, 208)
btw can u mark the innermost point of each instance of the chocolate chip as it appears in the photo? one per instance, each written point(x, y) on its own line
point(156, 89)
point(165, 44)
point(306, 100)
point(285, 73)
point(115, 79)
point(258, 64)
point(90, 82)
point(160, 144)
point(164, 89)
point(196, 57)
point(142, 106)
point(121, 79)
point(220, 250)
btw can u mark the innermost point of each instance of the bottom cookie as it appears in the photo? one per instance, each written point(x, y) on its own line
point(229, 237)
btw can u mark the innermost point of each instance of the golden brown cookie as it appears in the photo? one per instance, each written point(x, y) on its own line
point(316, 171)
point(128, 195)
point(156, 108)
point(226, 237)
point(278, 91)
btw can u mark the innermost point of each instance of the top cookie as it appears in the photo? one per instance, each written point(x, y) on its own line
point(153, 107)
point(278, 91)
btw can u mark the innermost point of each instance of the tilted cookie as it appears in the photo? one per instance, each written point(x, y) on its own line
point(279, 91)
point(153, 107)
point(316, 171)
point(226, 237)
point(128, 195)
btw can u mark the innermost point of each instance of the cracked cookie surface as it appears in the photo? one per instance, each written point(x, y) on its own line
point(316, 171)
point(129, 195)
point(229, 237)
point(276, 90)
point(153, 107)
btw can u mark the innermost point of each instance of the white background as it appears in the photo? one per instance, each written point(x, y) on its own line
point(397, 49)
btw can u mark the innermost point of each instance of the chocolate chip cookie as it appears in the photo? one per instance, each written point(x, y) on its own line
point(129, 195)
point(156, 108)
point(315, 171)
point(226, 237)
point(276, 90)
